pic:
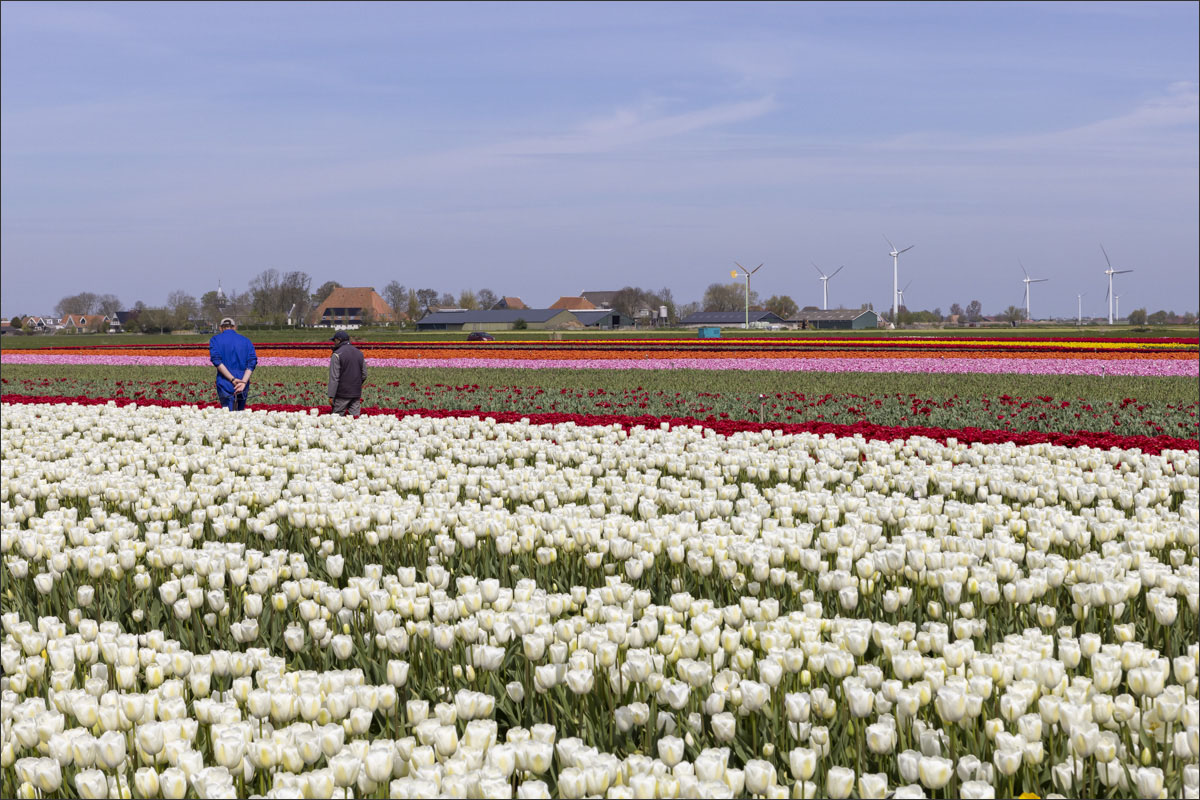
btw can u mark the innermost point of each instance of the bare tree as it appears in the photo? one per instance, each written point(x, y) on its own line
point(264, 288)
point(782, 306)
point(468, 300)
point(182, 307)
point(1013, 315)
point(322, 294)
point(413, 307)
point(108, 304)
point(396, 296)
point(727, 297)
point(294, 294)
point(82, 303)
point(486, 298)
point(427, 298)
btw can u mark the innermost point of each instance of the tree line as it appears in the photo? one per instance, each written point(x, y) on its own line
point(274, 298)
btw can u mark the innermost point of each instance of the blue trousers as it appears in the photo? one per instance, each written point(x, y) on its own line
point(232, 401)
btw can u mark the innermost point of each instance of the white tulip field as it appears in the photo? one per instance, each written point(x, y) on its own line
point(205, 604)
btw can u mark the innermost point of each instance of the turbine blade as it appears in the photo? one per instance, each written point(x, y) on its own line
point(1121, 271)
point(910, 247)
point(905, 289)
point(1039, 280)
point(818, 269)
point(756, 269)
point(1102, 250)
point(889, 241)
point(839, 269)
point(1023, 268)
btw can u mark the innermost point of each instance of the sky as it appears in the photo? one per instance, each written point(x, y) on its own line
point(542, 150)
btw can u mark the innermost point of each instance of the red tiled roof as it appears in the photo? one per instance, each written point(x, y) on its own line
point(573, 304)
point(363, 298)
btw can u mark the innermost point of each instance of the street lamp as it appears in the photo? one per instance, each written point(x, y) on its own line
point(747, 273)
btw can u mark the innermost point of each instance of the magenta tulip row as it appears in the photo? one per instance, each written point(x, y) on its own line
point(1026, 366)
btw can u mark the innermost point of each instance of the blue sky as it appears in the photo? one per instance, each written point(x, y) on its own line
point(541, 150)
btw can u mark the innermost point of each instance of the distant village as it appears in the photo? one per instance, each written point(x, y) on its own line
point(276, 300)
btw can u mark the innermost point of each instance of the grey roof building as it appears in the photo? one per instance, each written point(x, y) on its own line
point(599, 299)
point(499, 319)
point(838, 318)
point(603, 318)
point(730, 318)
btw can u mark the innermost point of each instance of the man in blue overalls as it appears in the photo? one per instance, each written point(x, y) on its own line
point(234, 357)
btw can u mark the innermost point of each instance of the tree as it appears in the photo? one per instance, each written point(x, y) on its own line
point(1137, 317)
point(183, 307)
point(727, 297)
point(519, 324)
point(108, 304)
point(468, 300)
point(1189, 318)
point(322, 294)
point(781, 306)
point(1013, 315)
point(486, 298)
point(427, 298)
point(395, 295)
point(687, 309)
point(82, 303)
point(667, 298)
point(974, 311)
point(1158, 318)
point(414, 307)
point(152, 320)
point(294, 298)
point(956, 310)
point(211, 306)
point(274, 295)
point(446, 300)
point(264, 288)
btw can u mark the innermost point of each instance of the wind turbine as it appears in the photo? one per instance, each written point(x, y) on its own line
point(1028, 280)
point(1117, 302)
point(748, 273)
point(1079, 313)
point(1110, 272)
point(895, 254)
point(825, 284)
point(902, 291)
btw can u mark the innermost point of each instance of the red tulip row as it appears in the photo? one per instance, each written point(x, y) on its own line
point(1147, 444)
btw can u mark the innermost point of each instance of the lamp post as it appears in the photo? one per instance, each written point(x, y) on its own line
point(747, 273)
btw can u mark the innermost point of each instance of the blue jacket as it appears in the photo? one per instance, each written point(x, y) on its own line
point(236, 352)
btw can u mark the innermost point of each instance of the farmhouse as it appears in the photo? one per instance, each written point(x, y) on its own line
point(573, 304)
point(352, 308)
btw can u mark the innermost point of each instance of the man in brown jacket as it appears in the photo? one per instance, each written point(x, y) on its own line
point(347, 374)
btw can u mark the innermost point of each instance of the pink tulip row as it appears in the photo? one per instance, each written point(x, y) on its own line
point(1148, 367)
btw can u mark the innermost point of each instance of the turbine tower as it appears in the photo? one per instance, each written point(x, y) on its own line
point(825, 284)
point(1079, 313)
point(748, 272)
point(1117, 305)
point(1028, 280)
point(895, 254)
point(902, 291)
point(1110, 272)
